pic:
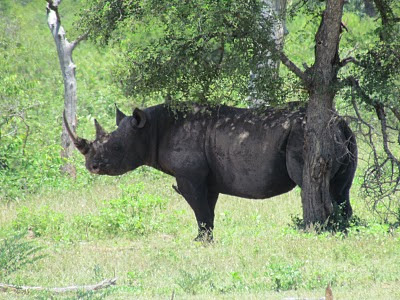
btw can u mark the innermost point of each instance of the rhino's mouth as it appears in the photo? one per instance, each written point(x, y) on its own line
point(106, 169)
point(106, 172)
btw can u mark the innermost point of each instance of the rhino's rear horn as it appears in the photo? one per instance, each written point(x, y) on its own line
point(119, 115)
point(81, 144)
point(100, 132)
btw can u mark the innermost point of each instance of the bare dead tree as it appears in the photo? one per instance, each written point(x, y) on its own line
point(64, 51)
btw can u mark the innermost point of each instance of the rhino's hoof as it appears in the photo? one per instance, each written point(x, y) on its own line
point(204, 238)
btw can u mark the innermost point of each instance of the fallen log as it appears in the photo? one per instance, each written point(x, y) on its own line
point(101, 285)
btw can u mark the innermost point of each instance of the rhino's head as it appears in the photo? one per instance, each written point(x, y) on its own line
point(118, 152)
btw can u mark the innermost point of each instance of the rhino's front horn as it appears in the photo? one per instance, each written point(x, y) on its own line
point(81, 144)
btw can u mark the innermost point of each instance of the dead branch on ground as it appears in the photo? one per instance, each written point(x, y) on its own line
point(94, 287)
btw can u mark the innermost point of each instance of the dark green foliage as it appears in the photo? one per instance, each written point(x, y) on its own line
point(335, 225)
point(362, 7)
point(381, 73)
point(16, 252)
point(103, 16)
point(191, 50)
point(378, 67)
point(312, 8)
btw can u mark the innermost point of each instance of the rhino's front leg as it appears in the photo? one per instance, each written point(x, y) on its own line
point(195, 192)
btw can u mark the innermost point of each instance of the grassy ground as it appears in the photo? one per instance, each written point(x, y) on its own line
point(256, 253)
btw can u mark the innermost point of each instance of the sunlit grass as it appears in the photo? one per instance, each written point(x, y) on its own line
point(256, 253)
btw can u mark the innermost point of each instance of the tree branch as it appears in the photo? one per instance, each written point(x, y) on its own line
point(377, 184)
point(380, 112)
point(384, 10)
point(79, 39)
point(101, 285)
point(295, 69)
point(352, 82)
point(396, 112)
point(347, 60)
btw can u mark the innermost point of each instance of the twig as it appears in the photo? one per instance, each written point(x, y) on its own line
point(295, 69)
point(347, 60)
point(380, 111)
point(101, 285)
point(381, 181)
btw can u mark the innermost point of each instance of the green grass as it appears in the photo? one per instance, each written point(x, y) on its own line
point(256, 253)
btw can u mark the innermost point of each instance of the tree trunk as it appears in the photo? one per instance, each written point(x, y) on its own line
point(64, 51)
point(319, 147)
point(276, 9)
point(318, 153)
point(369, 8)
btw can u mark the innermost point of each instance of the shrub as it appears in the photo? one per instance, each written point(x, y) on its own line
point(133, 212)
point(195, 282)
point(283, 276)
point(15, 253)
point(42, 222)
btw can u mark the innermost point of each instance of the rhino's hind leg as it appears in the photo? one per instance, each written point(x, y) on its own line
point(339, 188)
point(340, 193)
point(212, 198)
point(196, 194)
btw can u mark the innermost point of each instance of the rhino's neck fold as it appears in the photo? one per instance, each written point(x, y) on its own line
point(152, 157)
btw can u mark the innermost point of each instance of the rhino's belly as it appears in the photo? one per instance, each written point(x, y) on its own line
point(252, 180)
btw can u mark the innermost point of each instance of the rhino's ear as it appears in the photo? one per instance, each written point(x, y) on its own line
point(119, 115)
point(139, 118)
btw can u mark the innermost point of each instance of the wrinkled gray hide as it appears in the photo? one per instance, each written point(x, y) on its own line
point(225, 150)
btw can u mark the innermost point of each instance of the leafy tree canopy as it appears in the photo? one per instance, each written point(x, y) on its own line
point(199, 50)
